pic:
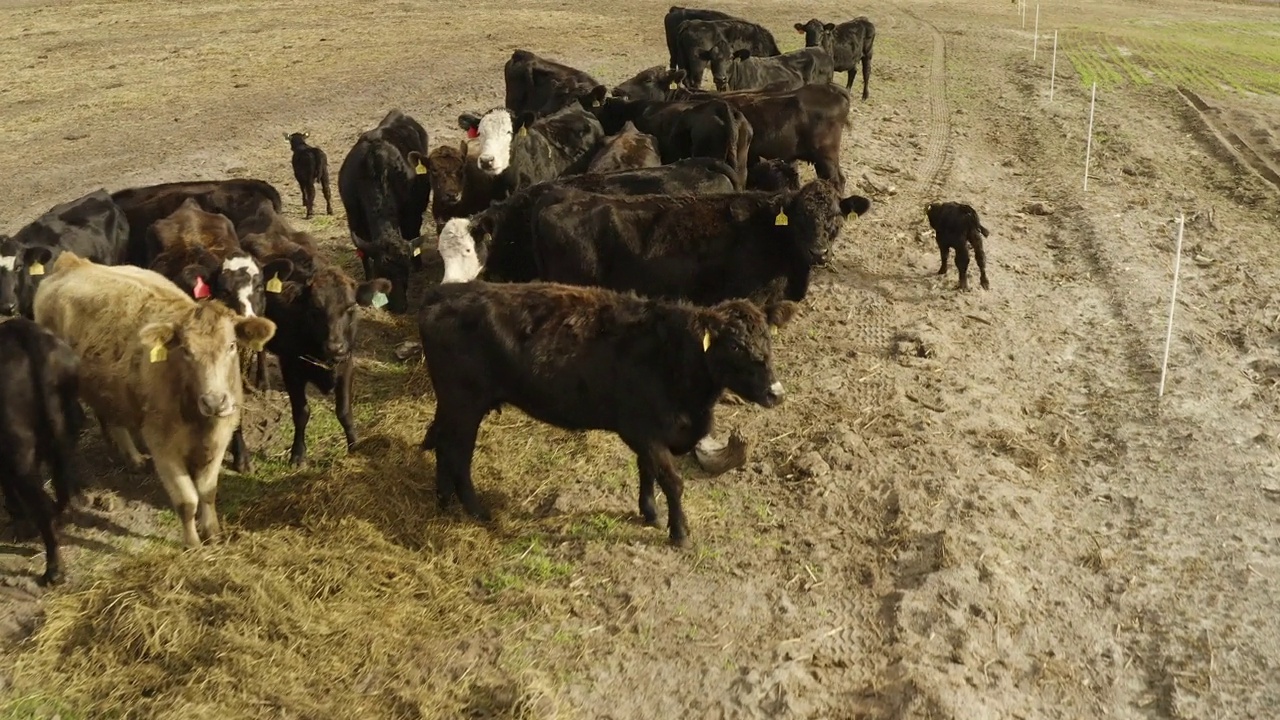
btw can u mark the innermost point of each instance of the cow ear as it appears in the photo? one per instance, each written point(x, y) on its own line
point(523, 121)
point(306, 134)
point(597, 95)
point(799, 28)
point(855, 204)
point(780, 312)
point(468, 121)
point(36, 255)
point(195, 280)
point(281, 269)
point(157, 334)
point(286, 137)
point(742, 54)
point(366, 291)
point(255, 331)
point(829, 27)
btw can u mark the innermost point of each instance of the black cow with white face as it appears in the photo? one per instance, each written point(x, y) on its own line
point(523, 150)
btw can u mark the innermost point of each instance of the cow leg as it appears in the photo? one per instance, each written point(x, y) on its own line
point(19, 515)
point(962, 263)
point(342, 401)
point(206, 486)
point(944, 250)
point(30, 491)
point(981, 256)
point(866, 74)
point(260, 372)
point(324, 187)
point(309, 197)
point(123, 440)
point(673, 488)
point(827, 166)
point(848, 85)
point(240, 453)
point(456, 445)
point(295, 384)
point(182, 493)
point(648, 477)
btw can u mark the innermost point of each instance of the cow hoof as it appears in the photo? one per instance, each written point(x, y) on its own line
point(243, 467)
point(680, 542)
point(298, 460)
point(986, 285)
point(51, 577)
point(480, 514)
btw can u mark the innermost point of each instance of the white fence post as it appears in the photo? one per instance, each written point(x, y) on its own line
point(1088, 147)
point(1173, 301)
point(1036, 42)
point(1053, 71)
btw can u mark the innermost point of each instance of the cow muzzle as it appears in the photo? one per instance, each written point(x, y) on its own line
point(774, 395)
point(485, 162)
point(216, 405)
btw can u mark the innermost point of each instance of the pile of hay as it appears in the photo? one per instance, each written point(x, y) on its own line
point(347, 625)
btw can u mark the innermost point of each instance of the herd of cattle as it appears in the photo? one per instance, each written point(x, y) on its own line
point(613, 260)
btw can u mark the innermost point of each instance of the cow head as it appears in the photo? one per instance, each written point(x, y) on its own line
point(463, 256)
point(297, 141)
point(241, 285)
point(22, 268)
point(321, 306)
point(650, 84)
point(718, 57)
point(739, 352)
point(446, 168)
point(815, 215)
point(197, 355)
point(816, 33)
point(495, 130)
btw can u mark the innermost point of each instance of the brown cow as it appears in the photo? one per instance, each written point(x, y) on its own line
point(629, 149)
point(156, 363)
point(459, 188)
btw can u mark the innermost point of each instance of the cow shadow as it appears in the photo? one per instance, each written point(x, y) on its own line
point(897, 287)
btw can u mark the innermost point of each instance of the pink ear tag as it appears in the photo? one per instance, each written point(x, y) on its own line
point(201, 290)
point(473, 132)
point(359, 253)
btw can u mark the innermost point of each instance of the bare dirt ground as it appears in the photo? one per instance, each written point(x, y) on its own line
point(971, 505)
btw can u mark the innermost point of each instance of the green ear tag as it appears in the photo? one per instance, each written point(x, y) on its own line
point(379, 299)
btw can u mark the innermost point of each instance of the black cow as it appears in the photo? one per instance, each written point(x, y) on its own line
point(498, 240)
point(803, 124)
point(707, 127)
point(92, 226)
point(956, 226)
point(705, 249)
point(740, 70)
point(237, 199)
point(313, 304)
point(40, 422)
point(310, 165)
point(698, 36)
point(848, 44)
point(539, 86)
point(589, 359)
point(384, 186)
point(676, 17)
point(458, 186)
point(525, 150)
point(773, 176)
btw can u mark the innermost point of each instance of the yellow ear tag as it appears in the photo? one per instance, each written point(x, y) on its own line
point(706, 341)
point(274, 285)
point(35, 269)
point(420, 169)
point(159, 353)
point(672, 86)
point(523, 131)
point(781, 219)
point(417, 251)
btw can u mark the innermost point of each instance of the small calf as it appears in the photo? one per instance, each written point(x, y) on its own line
point(459, 188)
point(588, 358)
point(310, 165)
point(40, 420)
point(773, 176)
point(956, 226)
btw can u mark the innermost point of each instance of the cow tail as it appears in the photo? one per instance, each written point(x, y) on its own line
point(983, 230)
point(732, 146)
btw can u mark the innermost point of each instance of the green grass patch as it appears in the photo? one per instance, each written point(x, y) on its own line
point(1209, 57)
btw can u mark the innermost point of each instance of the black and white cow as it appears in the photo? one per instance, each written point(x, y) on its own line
point(523, 150)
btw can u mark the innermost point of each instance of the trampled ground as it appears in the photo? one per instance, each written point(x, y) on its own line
point(971, 505)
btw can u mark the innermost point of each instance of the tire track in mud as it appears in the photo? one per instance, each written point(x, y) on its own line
point(854, 684)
